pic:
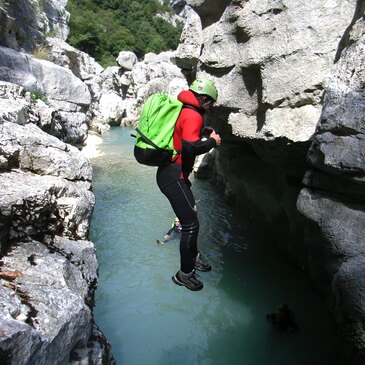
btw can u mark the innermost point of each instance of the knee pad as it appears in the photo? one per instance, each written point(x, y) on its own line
point(192, 228)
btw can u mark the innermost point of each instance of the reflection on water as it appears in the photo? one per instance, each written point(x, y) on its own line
point(151, 321)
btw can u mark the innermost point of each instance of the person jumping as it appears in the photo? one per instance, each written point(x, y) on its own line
point(173, 179)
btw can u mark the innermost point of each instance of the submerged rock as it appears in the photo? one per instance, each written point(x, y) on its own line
point(283, 320)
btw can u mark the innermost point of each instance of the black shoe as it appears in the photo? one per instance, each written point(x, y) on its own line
point(201, 264)
point(190, 281)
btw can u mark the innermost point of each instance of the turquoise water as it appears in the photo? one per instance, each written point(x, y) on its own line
point(151, 321)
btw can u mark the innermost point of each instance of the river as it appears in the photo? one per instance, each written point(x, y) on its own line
point(149, 320)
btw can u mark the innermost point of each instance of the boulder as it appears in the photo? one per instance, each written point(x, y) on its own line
point(126, 60)
point(15, 111)
point(111, 108)
point(29, 148)
point(51, 206)
point(55, 82)
point(80, 63)
point(47, 319)
point(71, 128)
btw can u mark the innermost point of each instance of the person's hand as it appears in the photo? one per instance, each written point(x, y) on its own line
point(216, 136)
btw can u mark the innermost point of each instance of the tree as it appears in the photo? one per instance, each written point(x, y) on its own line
point(103, 28)
point(85, 33)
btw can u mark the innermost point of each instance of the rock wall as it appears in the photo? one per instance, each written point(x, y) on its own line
point(48, 266)
point(24, 24)
point(273, 64)
point(333, 200)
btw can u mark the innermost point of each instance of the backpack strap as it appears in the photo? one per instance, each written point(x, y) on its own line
point(198, 110)
point(147, 140)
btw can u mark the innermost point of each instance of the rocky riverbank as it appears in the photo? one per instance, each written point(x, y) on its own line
point(48, 266)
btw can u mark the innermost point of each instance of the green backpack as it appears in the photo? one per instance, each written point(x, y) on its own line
point(154, 141)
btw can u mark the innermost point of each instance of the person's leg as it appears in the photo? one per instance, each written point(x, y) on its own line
point(183, 203)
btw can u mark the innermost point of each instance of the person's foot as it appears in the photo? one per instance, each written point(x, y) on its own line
point(190, 280)
point(201, 264)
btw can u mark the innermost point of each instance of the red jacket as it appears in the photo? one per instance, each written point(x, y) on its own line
point(187, 134)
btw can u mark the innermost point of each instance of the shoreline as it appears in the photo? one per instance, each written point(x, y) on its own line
point(91, 150)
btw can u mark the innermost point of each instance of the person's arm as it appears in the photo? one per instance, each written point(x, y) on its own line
point(198, 147)
point(191, 142)
point(170, 231)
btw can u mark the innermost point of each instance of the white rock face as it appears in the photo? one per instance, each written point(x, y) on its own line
point(126, 60)
point(24, 23)
point(271, 55)
point(58, 83)
point(47, 280)
point(290, 77)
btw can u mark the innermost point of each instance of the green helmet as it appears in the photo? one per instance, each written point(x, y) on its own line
point(204, 87)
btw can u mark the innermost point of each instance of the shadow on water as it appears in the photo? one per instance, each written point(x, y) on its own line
point(150, 320)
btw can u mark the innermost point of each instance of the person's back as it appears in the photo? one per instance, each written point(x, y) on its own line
point(188, 128)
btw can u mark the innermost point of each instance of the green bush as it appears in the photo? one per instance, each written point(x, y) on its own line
point(103, 28)
point(37, 95)
point(41, 53)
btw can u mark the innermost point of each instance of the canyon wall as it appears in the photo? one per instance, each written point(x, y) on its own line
point(290, 109)
point(48, 266)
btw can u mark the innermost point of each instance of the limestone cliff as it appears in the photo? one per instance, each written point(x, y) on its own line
point(333, 200)
point(48, 266)
point(24, 24)
point(291, 79)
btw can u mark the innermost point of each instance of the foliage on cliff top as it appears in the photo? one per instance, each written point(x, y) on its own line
point(103, 28)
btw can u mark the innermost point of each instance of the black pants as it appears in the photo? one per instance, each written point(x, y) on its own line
point(182, 201)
